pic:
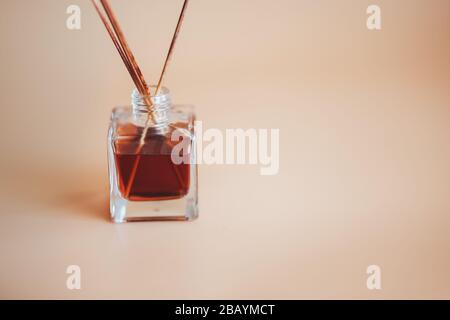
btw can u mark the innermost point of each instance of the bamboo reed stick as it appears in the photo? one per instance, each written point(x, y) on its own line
point(119, 48)
point(115, 32)
point(127, 56)
point(172, 45)
point(124, 43)
point(158, 87)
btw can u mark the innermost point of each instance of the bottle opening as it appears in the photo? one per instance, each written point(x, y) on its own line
point(160, 102)
point(157, 115)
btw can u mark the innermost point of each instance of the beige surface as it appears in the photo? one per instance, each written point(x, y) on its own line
point(364, 178)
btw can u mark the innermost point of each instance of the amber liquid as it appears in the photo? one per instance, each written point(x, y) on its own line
point(156, 176)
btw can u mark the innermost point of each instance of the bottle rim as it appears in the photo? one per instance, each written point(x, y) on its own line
point(161, 101)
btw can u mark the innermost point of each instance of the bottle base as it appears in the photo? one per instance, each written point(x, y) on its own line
point(123, 210)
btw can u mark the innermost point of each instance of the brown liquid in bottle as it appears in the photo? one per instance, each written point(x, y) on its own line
point(157, 177)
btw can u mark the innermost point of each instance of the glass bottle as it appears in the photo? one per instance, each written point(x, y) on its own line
point(152, 161)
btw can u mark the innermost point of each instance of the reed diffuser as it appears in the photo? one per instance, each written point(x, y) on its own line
point(151, 144)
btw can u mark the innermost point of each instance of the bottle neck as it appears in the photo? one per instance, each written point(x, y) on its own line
point(156, 115)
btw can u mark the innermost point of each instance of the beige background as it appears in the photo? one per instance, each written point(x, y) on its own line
point(364, 178)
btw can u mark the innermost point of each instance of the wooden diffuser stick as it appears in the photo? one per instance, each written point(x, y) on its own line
point(172, 45)
point(124, 43)
point(130, 68)
point(158, 87)
point(118, 38)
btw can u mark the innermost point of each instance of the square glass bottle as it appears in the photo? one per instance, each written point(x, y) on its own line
point(152, 161)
